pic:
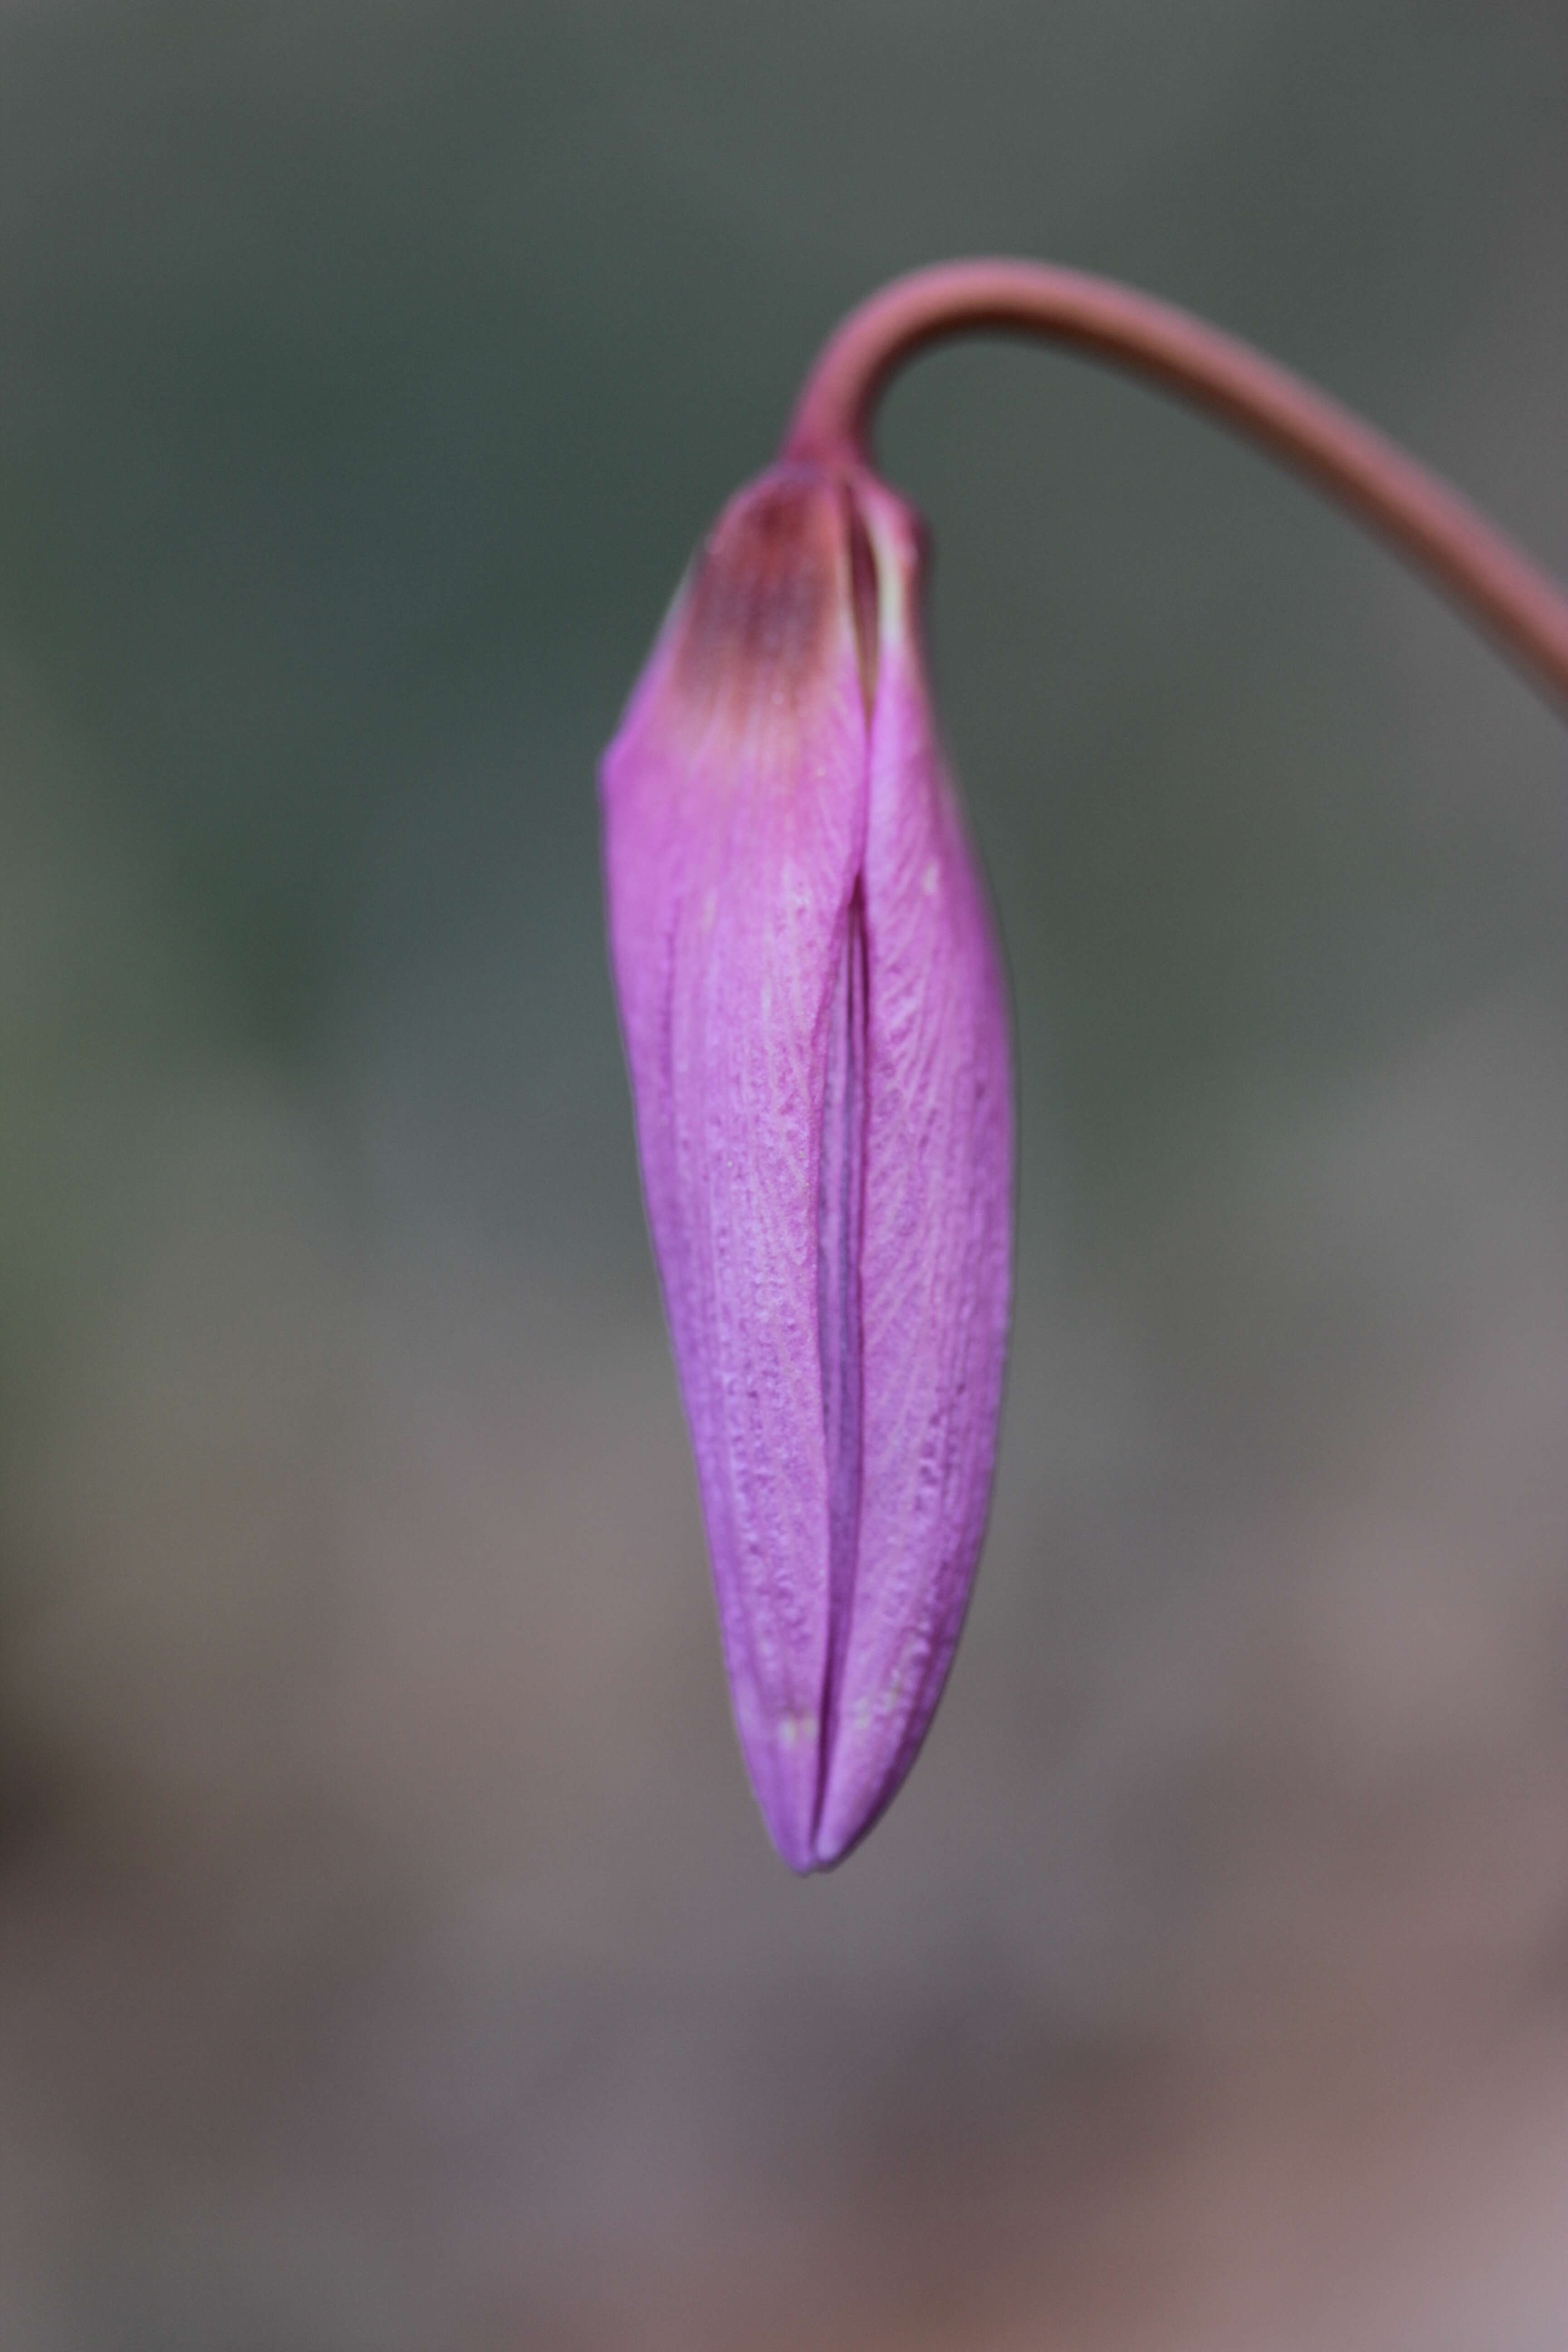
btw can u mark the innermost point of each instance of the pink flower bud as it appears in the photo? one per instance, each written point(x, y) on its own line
point(816, 1022)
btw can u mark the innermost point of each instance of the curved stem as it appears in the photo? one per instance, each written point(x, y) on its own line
point(1489, 578)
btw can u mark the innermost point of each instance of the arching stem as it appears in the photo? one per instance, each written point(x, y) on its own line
point(1439, 532)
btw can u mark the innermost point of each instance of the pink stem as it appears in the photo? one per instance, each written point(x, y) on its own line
point(1489, 578)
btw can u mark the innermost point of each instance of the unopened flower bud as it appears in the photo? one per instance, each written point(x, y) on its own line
point(816, 1025)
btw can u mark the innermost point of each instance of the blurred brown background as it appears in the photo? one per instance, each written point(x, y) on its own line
point(390, 1957)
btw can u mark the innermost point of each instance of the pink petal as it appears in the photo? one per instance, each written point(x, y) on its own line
point(936, 1246)
point(734, 802)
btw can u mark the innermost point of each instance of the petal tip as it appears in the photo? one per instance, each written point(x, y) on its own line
point(783, 1759)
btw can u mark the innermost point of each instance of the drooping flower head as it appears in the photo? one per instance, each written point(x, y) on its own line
point(816, 1022)
point(816, 1025)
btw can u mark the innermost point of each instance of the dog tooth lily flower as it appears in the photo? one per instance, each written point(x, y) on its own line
point(816, 1022)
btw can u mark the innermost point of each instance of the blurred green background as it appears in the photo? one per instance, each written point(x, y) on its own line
point(390, 1955)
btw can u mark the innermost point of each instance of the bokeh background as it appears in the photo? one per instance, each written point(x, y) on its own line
point(390, 1957)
